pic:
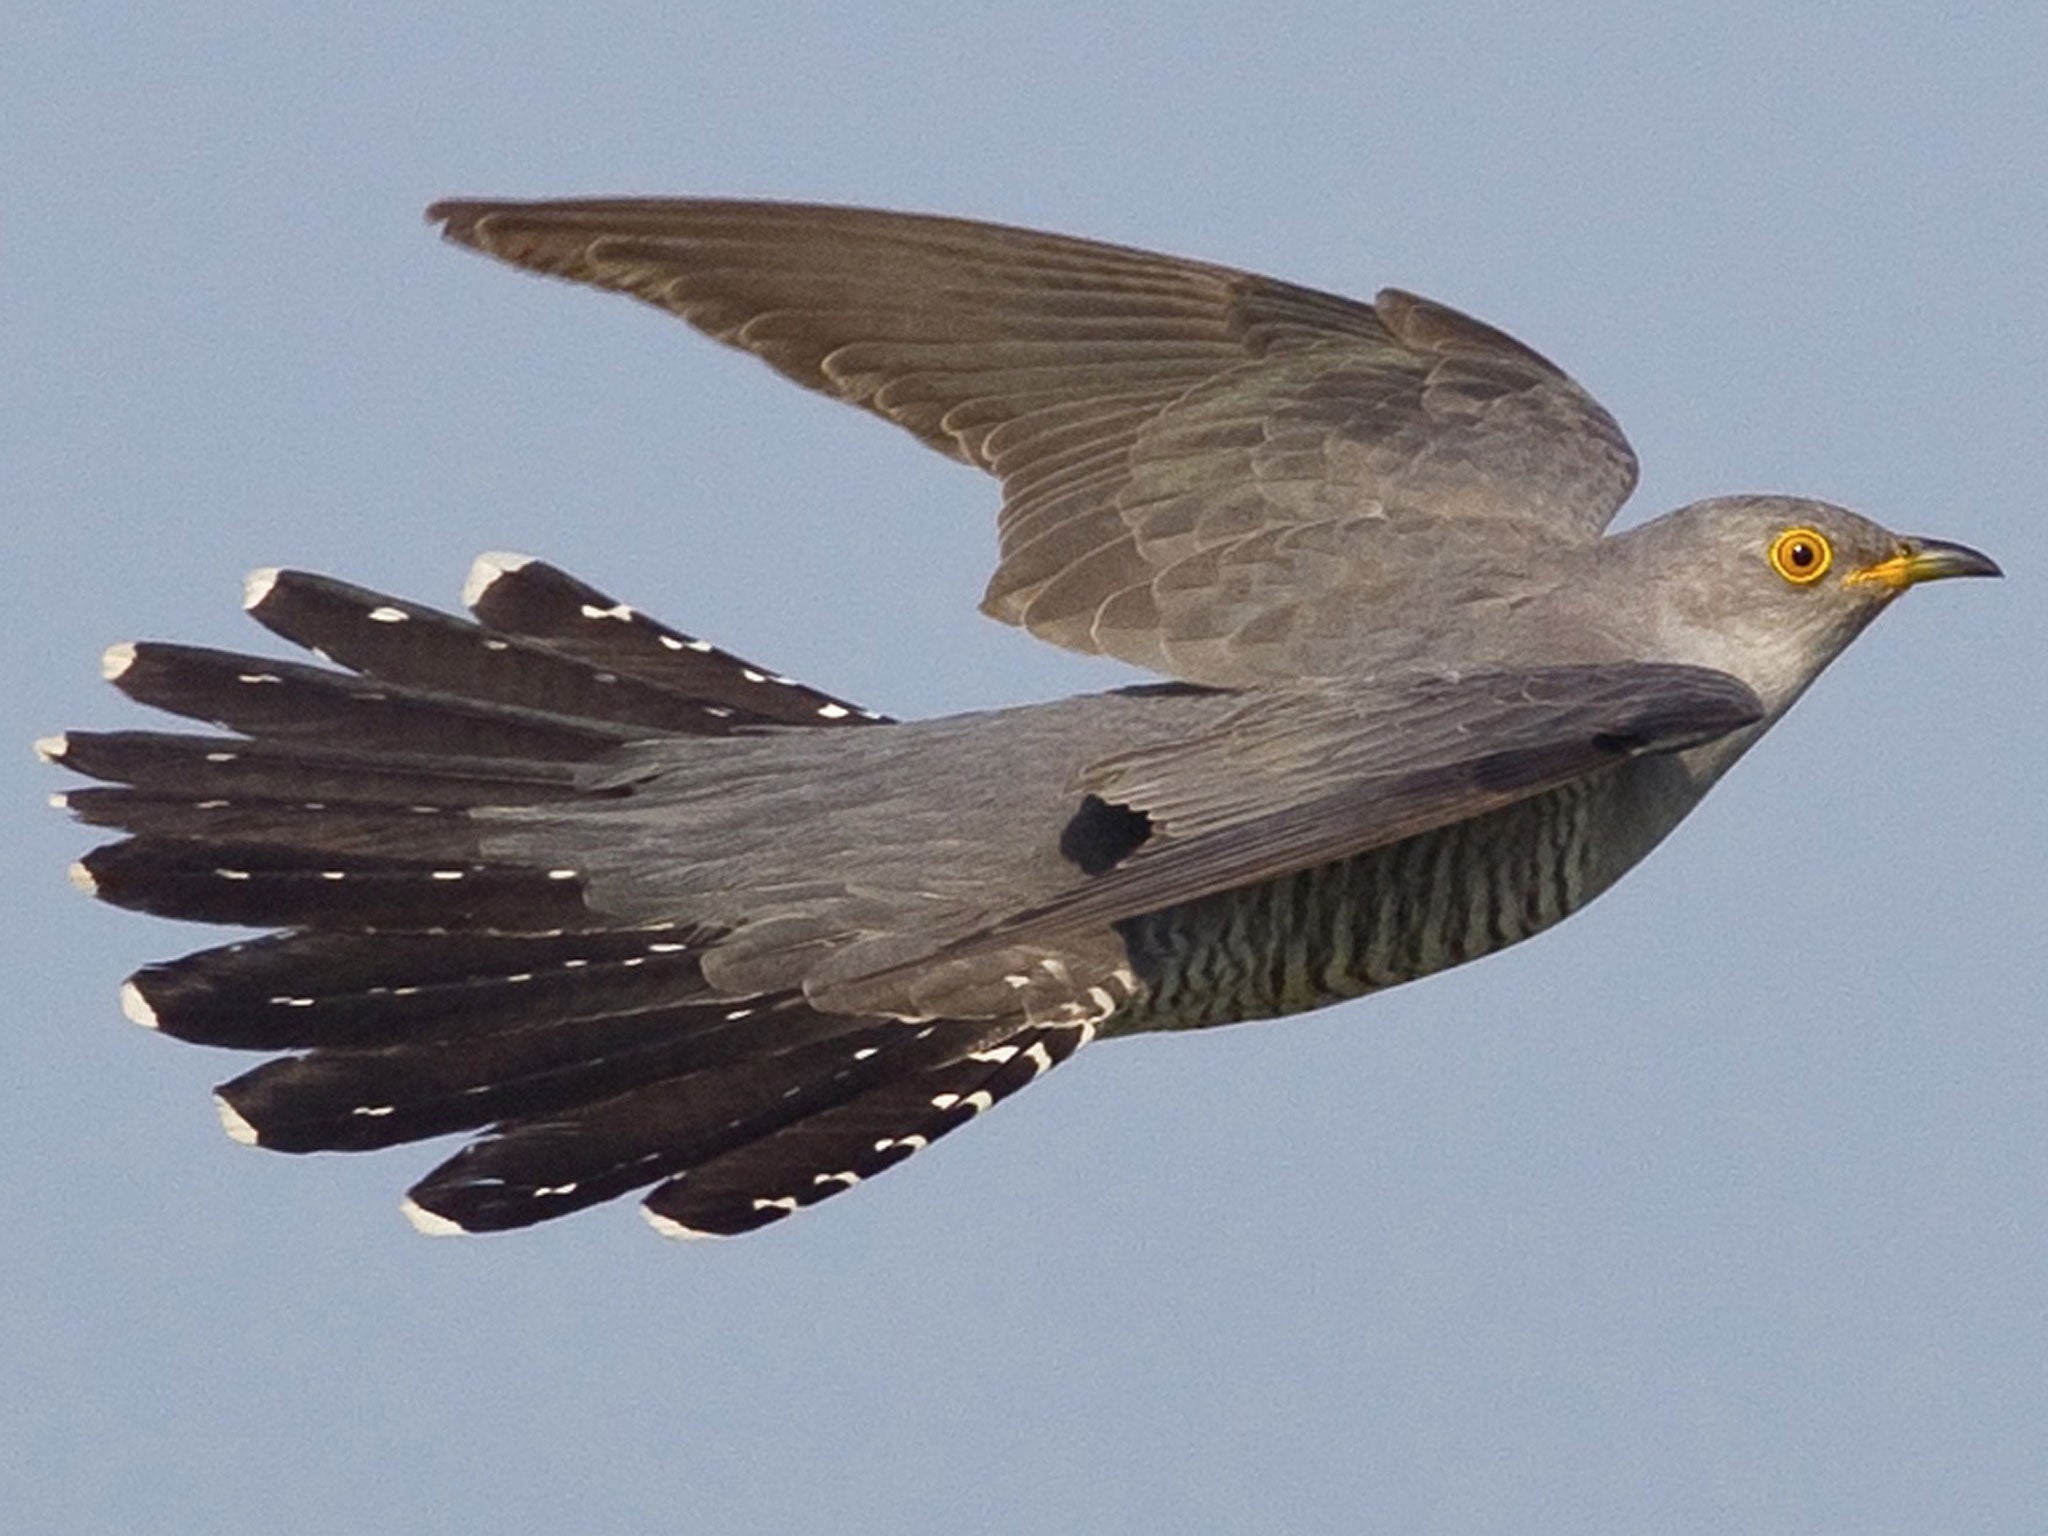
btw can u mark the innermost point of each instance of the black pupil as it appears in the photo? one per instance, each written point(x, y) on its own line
point(1800, 554)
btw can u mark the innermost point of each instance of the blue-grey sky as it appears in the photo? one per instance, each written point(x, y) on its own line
point(1720, 1208)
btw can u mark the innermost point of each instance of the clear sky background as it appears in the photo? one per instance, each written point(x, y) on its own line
point(1721, 1208)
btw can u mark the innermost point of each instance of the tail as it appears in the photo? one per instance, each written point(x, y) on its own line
point(426, 988)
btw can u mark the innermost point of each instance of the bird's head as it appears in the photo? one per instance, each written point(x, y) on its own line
point(1772, 588)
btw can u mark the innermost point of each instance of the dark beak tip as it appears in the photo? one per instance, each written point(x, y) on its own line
point(1950, 559)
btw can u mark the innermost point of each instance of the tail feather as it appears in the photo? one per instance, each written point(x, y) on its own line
point(228, 768)
point(423, 831)
point(411, 644)
point(533, 1170)
point(522, 596)
point(304, 990)
point(429, 984)
point(816, 1157)
point(257, 885)
point(352, 1101)
point(289, 700)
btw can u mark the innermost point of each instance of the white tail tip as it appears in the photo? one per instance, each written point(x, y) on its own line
point(485, 570)
point(427, 1222)
point(257, 584)
point(82, 878)
point(51, 749)
point(670, 1228)
point(231, 1121)
point(136, 1007)
point(116, 659)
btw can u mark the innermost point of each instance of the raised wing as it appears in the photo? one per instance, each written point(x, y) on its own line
point(1188, 453)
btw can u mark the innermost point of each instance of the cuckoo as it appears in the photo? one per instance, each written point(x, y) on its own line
point(633, 914)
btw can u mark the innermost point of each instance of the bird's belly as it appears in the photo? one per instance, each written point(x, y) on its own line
point(1384, 917)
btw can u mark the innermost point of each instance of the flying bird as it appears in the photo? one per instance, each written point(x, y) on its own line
point(636, 914)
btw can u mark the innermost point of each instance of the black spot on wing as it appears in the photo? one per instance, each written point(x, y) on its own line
point(1102, 834)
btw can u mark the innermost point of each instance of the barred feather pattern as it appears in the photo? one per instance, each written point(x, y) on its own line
point(419, 987)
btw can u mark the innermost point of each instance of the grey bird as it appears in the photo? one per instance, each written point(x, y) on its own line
point(639, 913)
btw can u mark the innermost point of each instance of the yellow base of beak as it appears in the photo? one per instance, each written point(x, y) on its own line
point(1921, 560)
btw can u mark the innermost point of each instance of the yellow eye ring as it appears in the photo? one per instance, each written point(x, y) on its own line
point(1801, 556)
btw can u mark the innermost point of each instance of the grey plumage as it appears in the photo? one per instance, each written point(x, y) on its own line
point(647, 914)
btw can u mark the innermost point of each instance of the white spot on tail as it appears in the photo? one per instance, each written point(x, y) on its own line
point(257, 584)
point(431, 1223)
point(619, 611)
point(445, 874)
point(995, 1053)
point(231, 1121)
point(848, 1178)
point(116, 659)
point(271, 677)
point(779, 1203)
point(386, 614)
point(373, 1111)
point(58, 800)
point(135, 1007)
point(834, 711)
point(82, 878)
point(51, 749)
point(485, 570)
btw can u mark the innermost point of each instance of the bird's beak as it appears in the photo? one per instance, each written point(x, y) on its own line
point(1919, 560)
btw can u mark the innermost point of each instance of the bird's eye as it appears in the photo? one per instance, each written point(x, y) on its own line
point(1801, 556)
